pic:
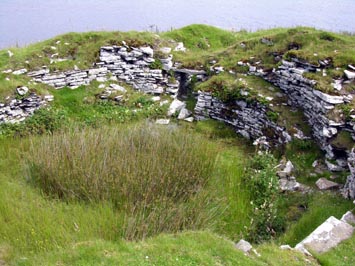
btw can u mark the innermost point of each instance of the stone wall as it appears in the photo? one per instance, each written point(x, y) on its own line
point(17, 110)
point(316, 105)
point(128, 64)
point(248, 119)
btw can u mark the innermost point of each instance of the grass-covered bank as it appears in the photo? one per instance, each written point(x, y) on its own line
point(59, 204)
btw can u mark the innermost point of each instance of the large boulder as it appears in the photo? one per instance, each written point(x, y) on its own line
point(326, 236)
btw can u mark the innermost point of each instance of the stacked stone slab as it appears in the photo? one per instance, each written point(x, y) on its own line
point(17, 110)
point(72, 78)
point(315, 104)
point(129, 64)
point(248, 119)
point(132, 65)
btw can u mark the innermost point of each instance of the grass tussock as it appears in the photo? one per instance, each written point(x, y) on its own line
point(155, 176)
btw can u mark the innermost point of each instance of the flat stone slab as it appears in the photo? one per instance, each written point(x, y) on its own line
point(326, 236)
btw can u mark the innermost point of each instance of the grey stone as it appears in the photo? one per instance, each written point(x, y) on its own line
point(175, 106)
point(117, 87)
point(20, 71)
point(184, 113)
point(289, 185)
point(162, 121)
point(189, 119)
point(244, 246)
point(325, 184)
point(147, 50)
point(326, 236)
point(333, 167)
point(349, 74)
point(349, 218)
point(180, 47)
point(286, 171)
point(23, 90)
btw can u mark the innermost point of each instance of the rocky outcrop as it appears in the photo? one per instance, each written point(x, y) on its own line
point(248, 119)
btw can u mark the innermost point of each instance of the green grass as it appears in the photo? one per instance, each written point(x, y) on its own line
point(190, 248)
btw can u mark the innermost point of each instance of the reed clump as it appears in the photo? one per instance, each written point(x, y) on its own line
point(155, 176)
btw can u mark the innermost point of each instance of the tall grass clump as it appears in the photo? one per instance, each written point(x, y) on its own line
point(155, 176)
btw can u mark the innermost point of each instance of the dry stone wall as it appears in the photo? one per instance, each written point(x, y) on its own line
point(17, 110)
point(128, 64)
point(315, 104)
point(248, 119)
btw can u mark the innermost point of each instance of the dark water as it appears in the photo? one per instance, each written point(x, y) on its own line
point(26, 21)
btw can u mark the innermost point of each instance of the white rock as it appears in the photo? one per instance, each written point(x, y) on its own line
point(11, 54)
point(118, 88)
point(180, 47)
point(22, 90)
point(285, 247)
point(252, 68)
point(244, 246)
point(156, 98)
point(7, 71)
point(337, 85)
point(95, 71)
point(286, 171)
point(333, 167)
point(328, 98)
point(189, 119)
point(329, 132)
point(20, 71)
point(162, 121)
point(175, 106)
point(349, 218)
point(349, 74)
point(102, 86)
point(53, 48)
point(101, 79)
point(184, 113)
point(48, 98)
point(147, 50)
point(326, 236)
